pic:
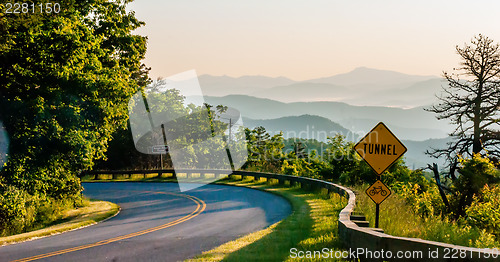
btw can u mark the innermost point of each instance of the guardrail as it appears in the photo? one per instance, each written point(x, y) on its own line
point(368, 244)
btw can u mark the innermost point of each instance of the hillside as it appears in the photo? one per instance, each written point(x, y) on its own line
point(304, 126)
point(405, 96)
point(414, 124)
point(303, 92)
point(415, 157)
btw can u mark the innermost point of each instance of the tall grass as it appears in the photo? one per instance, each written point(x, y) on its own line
point(398, 219)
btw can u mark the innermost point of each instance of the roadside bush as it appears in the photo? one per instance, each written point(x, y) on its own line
point(21, 212)
point(423, 202)
point(475, 173)
point(484, 211)
point(292, 168)
point(51, 210)
point(304, 167)
point(399, 174)
point(17, 210)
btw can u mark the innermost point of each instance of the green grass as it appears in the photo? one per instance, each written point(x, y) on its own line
point(91, 213)
point(311, 226)
point(398, 219)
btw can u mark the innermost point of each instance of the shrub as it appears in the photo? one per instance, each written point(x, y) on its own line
point(484, 211)
point(17, 210)
point(21, 212)
point(303, 167)
point(423, 203)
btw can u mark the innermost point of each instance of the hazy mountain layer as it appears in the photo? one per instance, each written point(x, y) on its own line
point(414, 124)
point(225, 85)
point(415, 157)
point(362, 86)
point(362, 76)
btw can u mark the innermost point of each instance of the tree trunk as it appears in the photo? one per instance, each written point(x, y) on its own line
point(435, 170)
point(453, 168)
point(476, 142)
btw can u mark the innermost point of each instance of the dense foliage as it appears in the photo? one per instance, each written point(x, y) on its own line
point(484, 210)
point(65, 81)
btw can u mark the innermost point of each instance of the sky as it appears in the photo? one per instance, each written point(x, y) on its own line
point(310, 39)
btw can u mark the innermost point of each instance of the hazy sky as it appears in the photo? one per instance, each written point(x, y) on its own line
point(310, 39)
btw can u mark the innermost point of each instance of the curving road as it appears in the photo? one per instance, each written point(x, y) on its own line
point(157, 223)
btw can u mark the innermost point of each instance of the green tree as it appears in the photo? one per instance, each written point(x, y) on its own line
point(341, 157)
point(122, 154)
point(65, 81)
point(299, 149)
point(265, 152)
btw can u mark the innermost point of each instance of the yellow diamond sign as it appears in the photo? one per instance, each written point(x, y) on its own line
point(378, 192)
point(380, 148)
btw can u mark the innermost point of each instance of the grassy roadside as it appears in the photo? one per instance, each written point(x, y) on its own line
point(311, 226)
point(90, 214)
point(398, 219)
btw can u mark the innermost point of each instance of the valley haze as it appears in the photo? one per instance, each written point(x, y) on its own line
point(350, 104)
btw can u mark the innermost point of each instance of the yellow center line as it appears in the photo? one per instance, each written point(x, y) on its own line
point(201, 205)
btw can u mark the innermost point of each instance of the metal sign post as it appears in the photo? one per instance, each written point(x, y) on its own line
point(378, 192)
point(380, 148)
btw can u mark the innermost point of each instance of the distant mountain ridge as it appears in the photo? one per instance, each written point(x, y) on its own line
point(355, 118)
point(361, 86)
point(415, 156)
point(365, 75)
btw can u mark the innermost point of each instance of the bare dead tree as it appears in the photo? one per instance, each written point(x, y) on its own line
point(471, 101)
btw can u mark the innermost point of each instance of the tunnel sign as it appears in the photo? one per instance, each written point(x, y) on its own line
point(380, 148)
point(378, 192)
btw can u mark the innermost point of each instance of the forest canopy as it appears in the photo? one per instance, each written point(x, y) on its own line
point(65, 81)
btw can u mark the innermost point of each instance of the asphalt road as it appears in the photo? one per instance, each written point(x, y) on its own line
point(157, 223)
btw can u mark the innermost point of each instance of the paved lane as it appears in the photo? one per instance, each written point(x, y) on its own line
point(157, 223)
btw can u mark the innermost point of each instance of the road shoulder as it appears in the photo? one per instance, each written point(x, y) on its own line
point(75, 219)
